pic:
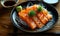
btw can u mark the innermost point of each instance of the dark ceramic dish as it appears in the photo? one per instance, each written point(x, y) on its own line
point(22, 25)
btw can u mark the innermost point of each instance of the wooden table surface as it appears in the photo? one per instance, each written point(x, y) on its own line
point(6, 26)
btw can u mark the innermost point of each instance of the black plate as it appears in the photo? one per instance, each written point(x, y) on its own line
point(19, 23)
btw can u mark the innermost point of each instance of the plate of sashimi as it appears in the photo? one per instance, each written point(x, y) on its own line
point(34, 16)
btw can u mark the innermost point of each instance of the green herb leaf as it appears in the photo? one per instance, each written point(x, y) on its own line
point(32, 13)
point(39, 8)
point(19, 8)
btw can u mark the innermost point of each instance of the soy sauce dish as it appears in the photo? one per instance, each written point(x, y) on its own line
point(22, 25)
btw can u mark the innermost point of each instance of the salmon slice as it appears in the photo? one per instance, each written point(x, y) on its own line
point(35, 7)
point(46, 14)
point(37, 21)
point(30, 22)
point(27, 19)
point(49, 16)
point(42, 18)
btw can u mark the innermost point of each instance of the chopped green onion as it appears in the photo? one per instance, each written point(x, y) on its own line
point(32, 13)
point(19, 8)
point(39, 8)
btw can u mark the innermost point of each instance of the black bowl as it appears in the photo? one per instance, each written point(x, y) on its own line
point(19, 23)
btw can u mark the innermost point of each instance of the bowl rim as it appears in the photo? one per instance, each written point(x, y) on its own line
point(52, 3)
point(8, 6)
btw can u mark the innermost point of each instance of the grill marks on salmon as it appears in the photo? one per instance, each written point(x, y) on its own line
point(42, 18)
point(39, 20)
point(46, 14)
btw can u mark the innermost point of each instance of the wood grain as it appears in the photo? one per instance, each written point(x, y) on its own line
point(7, 27)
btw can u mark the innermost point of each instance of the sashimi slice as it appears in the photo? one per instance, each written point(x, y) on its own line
point(49, 16)
point(37, 21)
point(28, 20)
point(46, 14)
point(42, 18)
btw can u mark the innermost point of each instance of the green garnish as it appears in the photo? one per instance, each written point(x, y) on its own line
point(31, 13)
point(39, 8)
point(19, 8)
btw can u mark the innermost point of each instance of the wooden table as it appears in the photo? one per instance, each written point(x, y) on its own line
point(7, 28)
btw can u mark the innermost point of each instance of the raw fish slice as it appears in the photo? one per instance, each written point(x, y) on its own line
point(37, 21)
point(46, 14)
point(42, 18)
point(49, 16)
point(27, 19)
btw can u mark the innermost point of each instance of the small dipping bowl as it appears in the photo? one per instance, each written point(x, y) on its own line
point(52, 2)
point(3, 1)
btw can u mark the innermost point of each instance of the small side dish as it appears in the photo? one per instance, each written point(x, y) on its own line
point(35, 16)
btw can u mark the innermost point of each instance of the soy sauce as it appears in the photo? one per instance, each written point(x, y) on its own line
point(9, 3)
